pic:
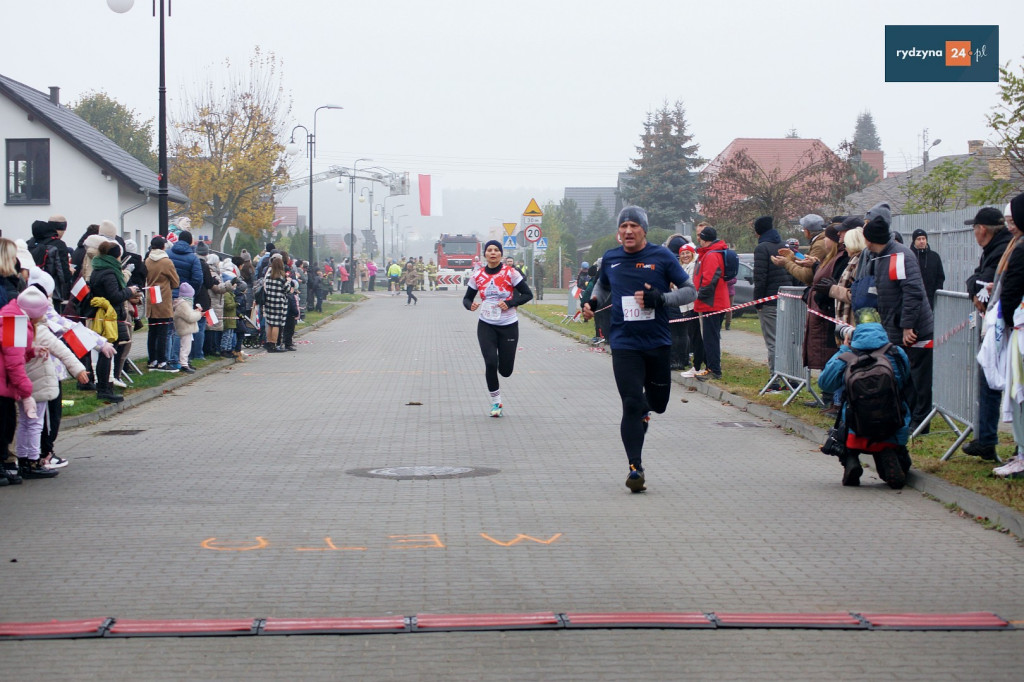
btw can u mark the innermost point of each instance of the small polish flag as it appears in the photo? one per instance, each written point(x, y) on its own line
point(80, 290)
point(897, 267)
point(155, 295)
point(74, 342)
point(15, 331)
point(211, 317)
point(430, 196)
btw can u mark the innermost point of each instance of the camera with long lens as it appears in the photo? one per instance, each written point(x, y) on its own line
point(835, 442)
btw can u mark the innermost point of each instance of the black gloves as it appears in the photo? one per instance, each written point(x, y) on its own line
point(653, 298)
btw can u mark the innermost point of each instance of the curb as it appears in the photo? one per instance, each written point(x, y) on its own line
point(978, 506)
point(148, 394)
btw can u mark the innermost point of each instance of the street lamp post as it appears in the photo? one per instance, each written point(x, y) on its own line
point(352, 222)
point(293, 149)
point(385, 210)
point(122, 6)
point(362, 198)
point(377, 209)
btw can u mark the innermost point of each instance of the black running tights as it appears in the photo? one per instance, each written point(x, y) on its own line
point(498, 346)
point(644, 380)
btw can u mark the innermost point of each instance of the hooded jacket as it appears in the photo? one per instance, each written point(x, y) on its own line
point(709, 278)
point(14, 382)
point(160, 272)
point(932, 273)
point(186, 262)
point(868, 336)
point(990, 255)
point(44, 232)
point(768, 277)
point(902, 303)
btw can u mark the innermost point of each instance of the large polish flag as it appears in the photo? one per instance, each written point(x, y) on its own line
point(430, 196)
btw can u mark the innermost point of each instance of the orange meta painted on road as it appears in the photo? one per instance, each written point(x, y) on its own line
point(405, 542)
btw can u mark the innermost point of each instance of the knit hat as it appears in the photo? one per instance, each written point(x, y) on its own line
point(41, 278)
point(495, 242)
point(633, 214)
point(1017, 210)
point(108, 229)
point(130, 246)
point(25, 259)
point(688, 247)
point(918, 233)
point(157, 242)
point(186, 290)
point(34, 302)
point(245, 255)
point(882, 210)
point(763, 224)
point(877, 230)
point(584, 265)
point(709, 234)
point(213, 260)
point(202, 249)
point(987, 216)
point(813, 223)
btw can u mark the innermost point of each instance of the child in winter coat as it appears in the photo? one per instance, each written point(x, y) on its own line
point(15, 387)
point(186, 323)
point(45, 385)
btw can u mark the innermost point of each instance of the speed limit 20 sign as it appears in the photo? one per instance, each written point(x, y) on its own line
point(532, 233)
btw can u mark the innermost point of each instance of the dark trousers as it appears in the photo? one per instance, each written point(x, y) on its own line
point(498, 345)
point(51, 425)
point(680, 356)
point(696, 341)
point(921, 371)
point(288, 331)
point(409, 288)
point(711, 327)
point(644, 380)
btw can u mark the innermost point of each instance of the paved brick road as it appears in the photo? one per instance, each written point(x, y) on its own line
point(738, 518)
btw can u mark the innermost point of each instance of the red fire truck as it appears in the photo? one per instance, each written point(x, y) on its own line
point(457, 251)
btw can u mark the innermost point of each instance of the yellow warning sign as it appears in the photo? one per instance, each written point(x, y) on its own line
point(510, 228)
point(533, 209)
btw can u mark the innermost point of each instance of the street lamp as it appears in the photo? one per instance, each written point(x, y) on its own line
point(362, 198)
point(293, 149)
point(122, 6)
point(352, 219)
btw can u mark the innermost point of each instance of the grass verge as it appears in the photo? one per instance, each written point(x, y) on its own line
point(745, 378)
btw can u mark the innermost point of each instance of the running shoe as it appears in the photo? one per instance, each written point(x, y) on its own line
point(1013, 469)
point(635, 479)
point(496, 410)
point(55, 462)
point(688, 373)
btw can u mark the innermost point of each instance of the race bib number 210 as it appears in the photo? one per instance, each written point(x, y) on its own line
point(632, 312)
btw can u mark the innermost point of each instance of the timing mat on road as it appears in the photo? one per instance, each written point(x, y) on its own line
point(119, 627)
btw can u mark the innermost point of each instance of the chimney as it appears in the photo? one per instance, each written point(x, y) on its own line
point(974, 146)
point(55, 95)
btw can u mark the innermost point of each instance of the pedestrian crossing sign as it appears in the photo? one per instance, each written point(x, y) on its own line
point(541, 244)
point(510, 242)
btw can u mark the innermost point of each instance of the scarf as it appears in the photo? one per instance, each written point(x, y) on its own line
point(105, 262)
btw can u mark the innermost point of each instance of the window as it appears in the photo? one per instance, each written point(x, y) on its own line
point(28, 171)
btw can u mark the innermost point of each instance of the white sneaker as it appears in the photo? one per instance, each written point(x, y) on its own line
point(688, 373)
point(119, 383)
point(1014, 467)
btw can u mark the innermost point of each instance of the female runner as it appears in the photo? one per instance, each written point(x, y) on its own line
point(501, 289)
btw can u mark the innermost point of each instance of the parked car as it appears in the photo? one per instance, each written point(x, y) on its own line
point(744, 288)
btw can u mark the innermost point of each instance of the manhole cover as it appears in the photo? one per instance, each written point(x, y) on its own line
point(416, 472)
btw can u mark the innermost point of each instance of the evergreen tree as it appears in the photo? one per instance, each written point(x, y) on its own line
point(865, 136)
point(662, 180)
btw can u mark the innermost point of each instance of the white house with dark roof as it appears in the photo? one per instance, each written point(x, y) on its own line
point(56, 163)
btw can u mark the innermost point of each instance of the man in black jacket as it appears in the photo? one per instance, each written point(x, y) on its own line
point(903, 305)
point(51, 254)
point(931, 265)
point(992, 236)
point(768, 277)
point(1012, 291)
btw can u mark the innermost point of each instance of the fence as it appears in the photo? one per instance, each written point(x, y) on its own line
point(955, 369)
point(789, 345)
point(948, 237)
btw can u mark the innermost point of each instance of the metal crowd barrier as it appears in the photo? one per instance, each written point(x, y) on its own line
point(955, 366)
point(789, 346)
